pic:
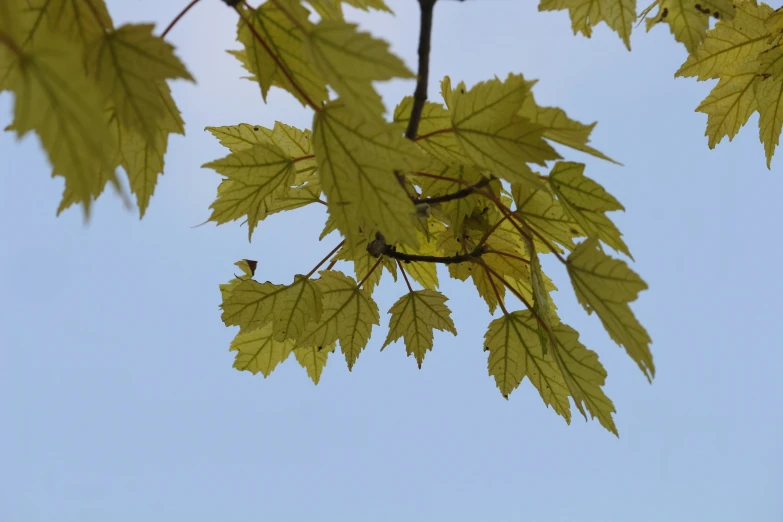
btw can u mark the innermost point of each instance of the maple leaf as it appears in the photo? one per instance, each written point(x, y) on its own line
point(586, 201)
point(295, 307)
point(414, 317)
point(72, 19)
point(313, 359)
point(363, 263)
point(252, 175)
point(142, 158)
point(584, 376)
point(356, 164)
point(248, 268)
point(458, 210)
point(491, 133)
point(515, 352)
point(128, 64)
point(545, 214)
point(275, 52)
point(348, 316)
point(619, 15)
point(689, 19)
point(605, 286)
point(259, 351)
point(558, 127)
point(435, 134)
point(769, 93)
point(54, 98)
point(728, 48)
point(350, 61)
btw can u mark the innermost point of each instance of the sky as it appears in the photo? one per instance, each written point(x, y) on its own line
point(117, 394)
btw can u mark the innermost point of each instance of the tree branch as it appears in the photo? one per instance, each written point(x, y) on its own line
point(463, 193)
point(178, 17)
point(472, 256)
point(420, 94)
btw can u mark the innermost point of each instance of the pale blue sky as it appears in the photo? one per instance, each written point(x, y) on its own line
point(119, 403)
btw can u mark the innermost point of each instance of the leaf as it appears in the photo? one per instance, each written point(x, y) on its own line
point(252, 175)
point(274, 46)
point(350, 61)
point(258, 351)
point(559, 128)
point(690, 19)
point(545, 214)
point(128, 64)
point(540, 299)
point(348, 315)
point(435, 134)
point(241, 137)
point(730, 104)
point(426, 274)
point(142, 159)
point(619, 15)
point(457, 210)
point(248, 268)
point(54, 98)
point(296, 307)
point(74, 20)
point(586, 201)
point(414, 317)
point(313, 359)
point(515, 353)
point(584, 376)
point(250, 304)
point(769, 93)
point(363, 263)
point(731, 45)
point(606, 286)
point(491, 133)
point(357, 163)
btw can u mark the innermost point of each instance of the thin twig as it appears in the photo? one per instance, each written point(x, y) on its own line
point(404, 276)
point(495, 288)
point(325, 259)
point(177, 18)
point(467, 191)
point(475, 254)
point(370, 272)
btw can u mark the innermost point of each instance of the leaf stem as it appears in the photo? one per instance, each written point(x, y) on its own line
point(508, 254)
point(433, 133)
point(177, 18)
point(370, 272)
point(495, 288)
point(325, 259)
point(404, 276)
point(423, 77)
point(302, 158)
point(520, 297)
point(277, 61)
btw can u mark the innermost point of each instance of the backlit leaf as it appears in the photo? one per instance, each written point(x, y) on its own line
point(619, 15)
point(690, 19)
point(313, 359)
point(258, 351)
point(414, 317)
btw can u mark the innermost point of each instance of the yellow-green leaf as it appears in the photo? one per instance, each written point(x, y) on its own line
point(128, 65)
point(296, 306)
point(546, 215)
point(731, 45)
point(350, 61)
point(348, 315)
point(690, 19)
point(357, 163)
point(456, 210)
point(248, 268)
point(619, 15)
point(769, 93)
point(54, 98)
point(491, 133)
point(435, 134)
point(313, 359)
point(730, 104)
point(71, 19)
point(273, 41)
point(606, 286)
point(252, 175)
point(241, 137)
point(258, 351)
point(586, 201)
point(515, 353)
point(363, 263)
point(584, 375)
point(250, 304)
point(414, 317)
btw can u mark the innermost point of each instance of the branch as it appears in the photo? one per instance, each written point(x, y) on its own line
point(472, 256)
point(177, 18)
point(455, 195)
point(325, 259)
point(420, 94)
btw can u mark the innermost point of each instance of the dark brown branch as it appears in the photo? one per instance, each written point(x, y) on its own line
point(391, 252)
point(463, 193)
point(178, 17)
point(420, 94)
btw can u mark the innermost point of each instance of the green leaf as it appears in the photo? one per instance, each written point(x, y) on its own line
point(515, 353)
point(435, 134)
point(606, 286)
point(313, 359)
point(545, 214)
point(71, 19)
point(258, 351)
point(357, 163)
point(619, 15)
point(769, 93)
point(584, 375)
point(348, 315)
point(414, 317)
point(128, 64)
point(586, 201)
point(274, 45)
point(690, 19)
point(350, 61)
point(296, 307)
point(491, 133)
point(252, 176)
